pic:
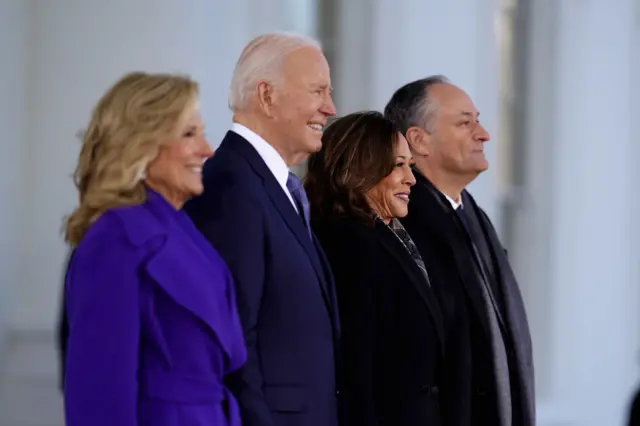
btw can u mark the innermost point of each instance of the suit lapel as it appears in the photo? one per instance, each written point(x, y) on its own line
point(447, 227)
point(397, 250)
point(282, 204)
point(329, 286)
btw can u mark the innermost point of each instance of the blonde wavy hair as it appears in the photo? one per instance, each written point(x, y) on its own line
point(138, 114)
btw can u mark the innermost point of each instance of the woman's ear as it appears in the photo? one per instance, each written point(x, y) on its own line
point(419, 141)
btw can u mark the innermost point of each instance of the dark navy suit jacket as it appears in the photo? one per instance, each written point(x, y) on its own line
point(284, 290)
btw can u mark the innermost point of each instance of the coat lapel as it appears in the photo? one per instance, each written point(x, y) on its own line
point(483, 257)
point(447, 226)
point(516, 323)
point(196, 278)
point(397, 250)
point(282, 203)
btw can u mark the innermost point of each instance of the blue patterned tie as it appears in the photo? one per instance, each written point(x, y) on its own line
point(295, 187)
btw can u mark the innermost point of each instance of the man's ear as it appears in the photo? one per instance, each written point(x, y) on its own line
point(419, 141)
point(265, 97)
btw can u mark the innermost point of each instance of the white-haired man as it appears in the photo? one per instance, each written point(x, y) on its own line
point(255, 213)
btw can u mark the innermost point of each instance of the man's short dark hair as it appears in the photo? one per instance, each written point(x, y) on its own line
point(411, 105)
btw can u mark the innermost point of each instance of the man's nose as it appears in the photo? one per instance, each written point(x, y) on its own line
point(329, 107)
point(482, 134)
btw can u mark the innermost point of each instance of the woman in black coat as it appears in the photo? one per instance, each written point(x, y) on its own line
point(392, 335)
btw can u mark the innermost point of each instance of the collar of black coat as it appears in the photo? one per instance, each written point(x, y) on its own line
point(466, 200)
point(423, 183)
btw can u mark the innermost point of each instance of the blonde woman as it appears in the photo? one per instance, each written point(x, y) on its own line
point(153, 327)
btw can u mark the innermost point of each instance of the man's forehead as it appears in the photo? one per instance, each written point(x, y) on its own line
point(456, 113)
point(308, 64)
point(454, 101)
point(471, 112)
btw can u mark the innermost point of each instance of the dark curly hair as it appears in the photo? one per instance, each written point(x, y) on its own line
point(357, 153)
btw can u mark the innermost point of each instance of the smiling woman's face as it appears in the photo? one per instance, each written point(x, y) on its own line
point(177, 171)
point(390, 197)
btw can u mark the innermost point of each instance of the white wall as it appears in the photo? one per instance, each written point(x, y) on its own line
point(13, 164)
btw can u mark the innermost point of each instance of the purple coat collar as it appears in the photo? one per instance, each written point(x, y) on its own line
point(182, 255)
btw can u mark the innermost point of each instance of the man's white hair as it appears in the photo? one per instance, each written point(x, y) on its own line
point(262, 59)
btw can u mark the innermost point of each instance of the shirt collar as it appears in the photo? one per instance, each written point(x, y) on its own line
point(267, 152)
point(455, 204)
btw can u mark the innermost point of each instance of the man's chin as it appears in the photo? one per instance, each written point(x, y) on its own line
point(474, 172)
point(299, 159)
point(315, 145)
point(482, 165)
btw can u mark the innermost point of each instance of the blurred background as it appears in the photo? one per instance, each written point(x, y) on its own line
point(556, 82)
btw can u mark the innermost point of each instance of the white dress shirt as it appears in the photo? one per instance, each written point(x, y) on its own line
point(455, 204)
point(269, 155)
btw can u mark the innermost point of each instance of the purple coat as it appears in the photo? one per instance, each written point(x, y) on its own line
point(153, 324)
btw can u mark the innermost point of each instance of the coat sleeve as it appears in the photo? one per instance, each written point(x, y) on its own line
point(104, 329)
point(231, 220)
point(356, 268)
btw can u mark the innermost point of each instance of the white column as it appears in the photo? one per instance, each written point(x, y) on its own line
point(635, 112)
point(534, 219)
point(385, 44)
point(592, 328)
